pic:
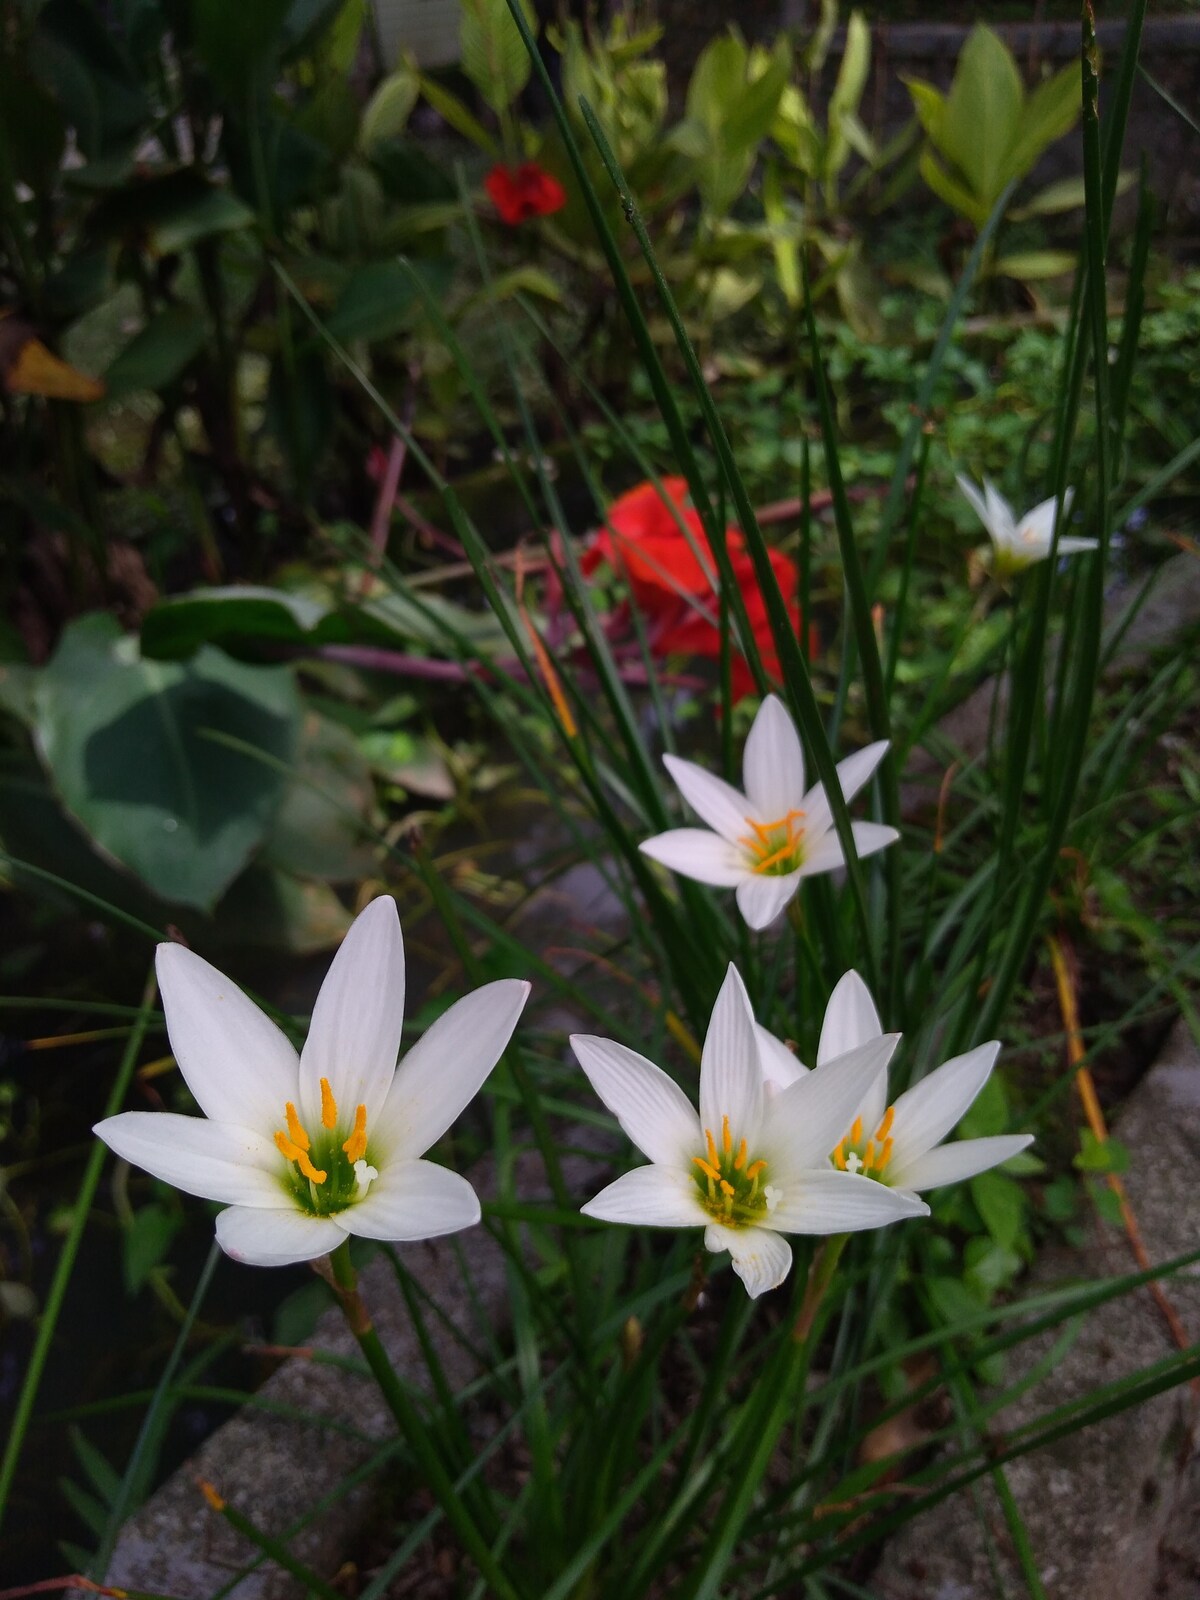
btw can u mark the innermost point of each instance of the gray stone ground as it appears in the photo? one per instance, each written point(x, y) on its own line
point(1111, 1512)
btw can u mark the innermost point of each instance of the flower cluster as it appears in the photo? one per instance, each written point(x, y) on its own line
point(657, 541)
point(305, 1151)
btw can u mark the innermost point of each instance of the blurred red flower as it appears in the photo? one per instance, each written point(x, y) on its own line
point(671, 586)
point(519, 193)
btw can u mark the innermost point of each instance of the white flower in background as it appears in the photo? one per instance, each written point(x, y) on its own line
point(764, 841)
point(1017, 545)
point(899, 1144)
point(307, 1150)
point(749, 1168)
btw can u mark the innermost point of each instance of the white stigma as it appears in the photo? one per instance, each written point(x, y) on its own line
point(853, 1161)
point(772, 1196)
point(364, 1176)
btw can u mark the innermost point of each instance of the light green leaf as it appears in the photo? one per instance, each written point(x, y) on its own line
point(1029, 265)
point(1050, 111)
point(157, 355)
point(452, 111)
point(983, 115)
point(493, 54)
point(389, 108)
point(949, 189)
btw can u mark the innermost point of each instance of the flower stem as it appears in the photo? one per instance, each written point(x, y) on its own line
point(344, 1279)
point(819, 1277)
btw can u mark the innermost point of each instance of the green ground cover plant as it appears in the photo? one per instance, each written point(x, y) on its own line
point(676, 1433)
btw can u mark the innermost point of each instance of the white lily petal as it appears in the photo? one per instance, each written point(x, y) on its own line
point(412, 1200)
point(850, 1018)
point(445, 1069)
point(761, 1259)
point(773, 762)
point(806, 1122)
point(780, 1068)
point(926, 1113)
point(731, 1081)
point(951, 1163)
point(650, 1197)
point(275, 1238)
point(712, 799)
point(841, 1202)
point(215, 1160)
point(823, 853)
point(1072, 546)
point(1001, 523)
point(1036, 527)
point(853, 773)
point(699, 854)
point(239, 1066)
point(761, 898)
point(354, 1036)
point(870, 837)
point(826, 854)
point(651, 1107)
point(978, 504)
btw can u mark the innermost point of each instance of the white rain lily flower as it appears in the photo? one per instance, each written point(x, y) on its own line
point(1017, 545)
point(899, 1145)
point(749, 1168)
point(765, 841)
point(305, 1151)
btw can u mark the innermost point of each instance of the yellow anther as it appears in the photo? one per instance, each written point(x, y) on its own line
point(726, 1136)
point(763, 841)
point(706, 1169)
point(356, 1145)
point(885, 1127)
point(739, 1161)
point(755, 1167)
point(885, 1155)
point(314, 1174)
point(713, 1157)
point(328, 1105)
point(293, 1152)
point(869, 1155)
point(856, 1131)
point(839, 1156)
point(295, 1129)
point(727, 1188)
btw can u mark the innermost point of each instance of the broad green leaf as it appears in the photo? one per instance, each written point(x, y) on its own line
point(949, 189)
point(493, 54)
point(1050, 111)
point(1002, 1205)
point(847, 93)
point(983, 114)
point(375, 304)
point(717, 78)
point(1028, 265)
point(157, 355)
point(216, 210)
point(177, 626)
point(389, 108)
point(134, 749)
point(1065, 195)
point(929, 104)
point(145, 1243)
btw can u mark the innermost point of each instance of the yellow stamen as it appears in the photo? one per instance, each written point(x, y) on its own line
point(709, 1172)
point(885, 1127)
point(727, 1188)
point(295, 1129)
point(869, 1155)
point(356, 1145)
point(839, 1156)
point(856, 1131)
point(328, 1105)
point(293, 1152)
point(762, 842)
point(885, 1155)
point(739, 1161)
point(713, 1157)
point(755, 1167)
point(726, 1136)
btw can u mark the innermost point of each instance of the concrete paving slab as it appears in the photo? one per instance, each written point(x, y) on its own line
point(1103, 1506)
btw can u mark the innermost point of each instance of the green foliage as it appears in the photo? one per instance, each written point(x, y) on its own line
point(134, 749)
point(987, 133)
point(493, 56)
point(732, 99)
